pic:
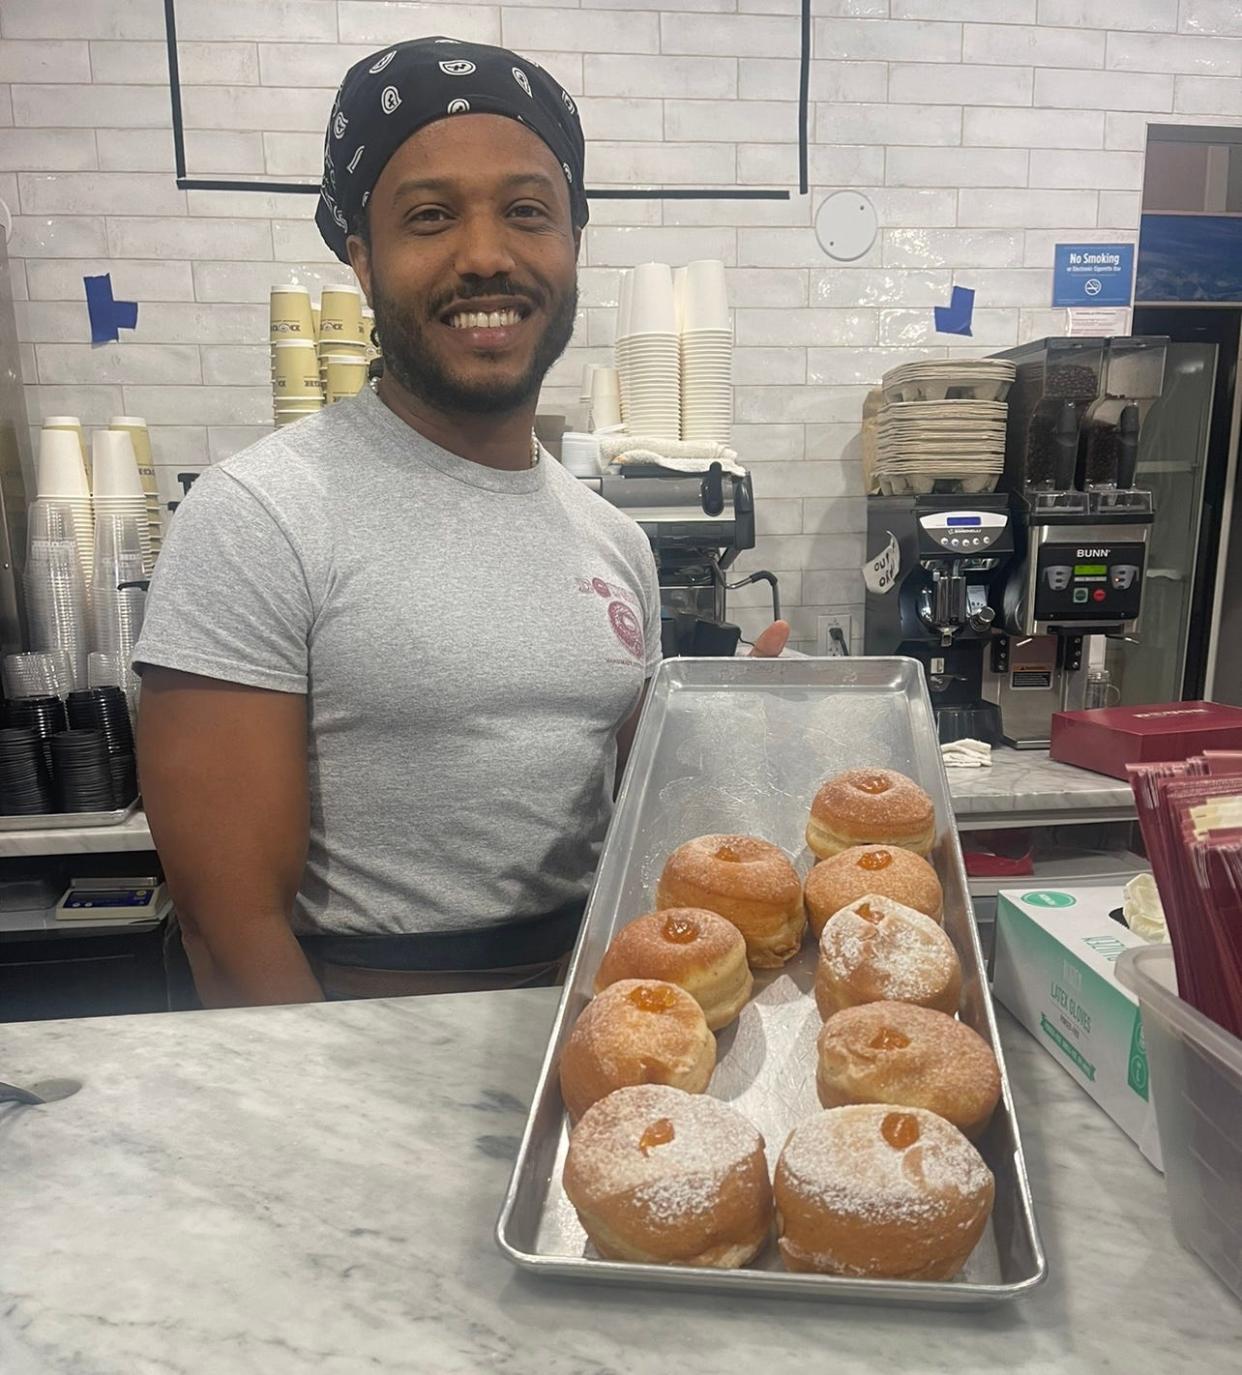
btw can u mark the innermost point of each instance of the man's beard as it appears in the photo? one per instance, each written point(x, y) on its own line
point(411, 361)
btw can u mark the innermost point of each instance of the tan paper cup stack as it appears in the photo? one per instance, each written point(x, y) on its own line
point(292, 314)
point(344, 375)
point(136, 427)
point(340, 315)
point(296, 385)
point(71, 422)
point(296, 371)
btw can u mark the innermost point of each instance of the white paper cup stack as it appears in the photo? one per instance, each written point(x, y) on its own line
point(118, 487)
point(706, 354)
point(651, 382)
point(605, 398)
point(71, 422)
point(136, 427)
point(61, 477)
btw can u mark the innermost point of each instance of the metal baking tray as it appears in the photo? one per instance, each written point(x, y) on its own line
point(741, 745)
point(67, 821)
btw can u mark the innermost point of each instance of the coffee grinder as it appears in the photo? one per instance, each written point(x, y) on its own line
point(934, 574)
point(1080, 526)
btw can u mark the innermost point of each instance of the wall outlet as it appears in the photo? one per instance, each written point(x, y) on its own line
point(834, 634)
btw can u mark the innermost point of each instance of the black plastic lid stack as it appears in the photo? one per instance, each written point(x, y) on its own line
point(124, 771)
point(104, 709)
point(25, 786)
point(82, 772)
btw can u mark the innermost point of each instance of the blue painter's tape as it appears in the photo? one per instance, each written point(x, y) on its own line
point(107, 316)
point(956, 316)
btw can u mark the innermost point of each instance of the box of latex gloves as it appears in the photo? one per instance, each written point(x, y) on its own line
point(1055, 951)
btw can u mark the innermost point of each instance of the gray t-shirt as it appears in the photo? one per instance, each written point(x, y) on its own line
point(468, 640)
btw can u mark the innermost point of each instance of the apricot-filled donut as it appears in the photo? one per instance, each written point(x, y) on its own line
point(689, 946)
point(661, 1176)
point(745, 880)
point(876, 949)
point(899, 1053)
point(871, 807)
point(880, 1191)
point(638, 1031)
point(886, 870)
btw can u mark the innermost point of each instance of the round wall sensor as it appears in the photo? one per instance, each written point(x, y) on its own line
point(846, 225)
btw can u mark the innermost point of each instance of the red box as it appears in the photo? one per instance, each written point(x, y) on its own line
point(1105, 741)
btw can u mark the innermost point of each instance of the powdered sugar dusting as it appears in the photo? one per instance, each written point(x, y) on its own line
point(842, 1159)
point(906, 954)
point(681, 1178)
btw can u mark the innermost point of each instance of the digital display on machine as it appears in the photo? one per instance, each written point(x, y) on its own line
point(1090, 570)
point(965, 520)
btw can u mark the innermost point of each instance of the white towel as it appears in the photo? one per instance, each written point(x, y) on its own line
point(966, 754)
point(677, 455)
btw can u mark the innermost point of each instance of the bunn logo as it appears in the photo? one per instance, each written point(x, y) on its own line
point(1092, 553)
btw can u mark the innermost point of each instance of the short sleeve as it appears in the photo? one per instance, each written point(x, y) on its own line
point(652, 619)
point(229, 598)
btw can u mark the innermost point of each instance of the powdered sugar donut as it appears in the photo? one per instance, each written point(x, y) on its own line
point(658, 1175)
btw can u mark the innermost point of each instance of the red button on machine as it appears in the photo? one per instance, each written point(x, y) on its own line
point(1099, 594)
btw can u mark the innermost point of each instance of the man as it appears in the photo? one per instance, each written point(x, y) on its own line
point(392, 657)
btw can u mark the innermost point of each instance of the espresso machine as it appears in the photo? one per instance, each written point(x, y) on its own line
point(1080, 527)
point(697, 526)
point(934, 572)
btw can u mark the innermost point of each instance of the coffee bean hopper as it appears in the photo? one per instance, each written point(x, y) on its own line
point(697, 526)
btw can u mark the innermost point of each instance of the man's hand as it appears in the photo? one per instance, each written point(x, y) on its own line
point(771, 642)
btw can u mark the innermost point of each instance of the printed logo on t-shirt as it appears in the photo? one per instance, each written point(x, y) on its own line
point(625, 623)
point(626, 627)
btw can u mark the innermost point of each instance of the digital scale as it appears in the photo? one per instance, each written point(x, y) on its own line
point(114, 901)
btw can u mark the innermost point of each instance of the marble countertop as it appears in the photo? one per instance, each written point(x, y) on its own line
point(283, 1190)
point(1025, 787)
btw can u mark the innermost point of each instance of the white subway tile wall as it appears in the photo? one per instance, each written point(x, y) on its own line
point(984, 132)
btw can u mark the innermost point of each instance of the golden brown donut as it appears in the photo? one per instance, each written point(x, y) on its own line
point(638, 1031)
point(748, 882)
point(888, 870)
point(899, 1053)
point(666, 1177)
point(871, 807)
point(688, 946)
point(876, 949)
point(880, 1191)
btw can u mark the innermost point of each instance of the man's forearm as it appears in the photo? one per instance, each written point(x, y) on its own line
point(249, 963)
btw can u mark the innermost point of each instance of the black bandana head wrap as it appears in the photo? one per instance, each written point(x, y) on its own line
point(396, 91)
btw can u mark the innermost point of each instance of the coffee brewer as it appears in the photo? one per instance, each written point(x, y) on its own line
point(1080, 526)
point(934, 574)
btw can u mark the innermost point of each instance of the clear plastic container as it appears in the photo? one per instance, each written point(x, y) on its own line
point(1196, 1077)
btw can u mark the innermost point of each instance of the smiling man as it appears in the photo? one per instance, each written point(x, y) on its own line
point(393, 655)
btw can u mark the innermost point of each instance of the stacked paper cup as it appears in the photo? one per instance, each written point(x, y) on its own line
point(605, 398)
point(136, 428)
point(296, 386)
point(706, 354)
point(71, 422)
point(648, 354)
point(344, 342)
point(118, 487)
point(61, 478)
